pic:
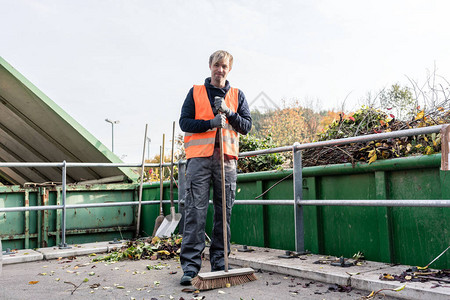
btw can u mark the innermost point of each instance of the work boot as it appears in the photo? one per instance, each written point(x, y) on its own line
point(187, 278)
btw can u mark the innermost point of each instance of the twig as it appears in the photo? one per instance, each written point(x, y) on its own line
point(76, 286)
point(342, 150)
point(437, 257)
point(276, 183)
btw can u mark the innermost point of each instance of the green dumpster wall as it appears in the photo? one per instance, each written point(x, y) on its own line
point(389, 234)
point(33, 229)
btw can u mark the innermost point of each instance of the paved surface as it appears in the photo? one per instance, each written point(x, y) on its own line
point(64, 277)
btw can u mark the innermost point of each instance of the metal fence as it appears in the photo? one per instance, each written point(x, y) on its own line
point(298, 201)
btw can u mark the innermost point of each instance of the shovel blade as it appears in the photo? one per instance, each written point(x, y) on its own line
point(168, 226)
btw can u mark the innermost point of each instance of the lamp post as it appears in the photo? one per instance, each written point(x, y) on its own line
point(148, 147)
point(112, 132)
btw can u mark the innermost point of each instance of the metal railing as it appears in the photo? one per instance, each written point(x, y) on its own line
point(298, 201)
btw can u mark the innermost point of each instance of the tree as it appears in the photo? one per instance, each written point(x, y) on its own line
point(400, 100)
point(293, 123)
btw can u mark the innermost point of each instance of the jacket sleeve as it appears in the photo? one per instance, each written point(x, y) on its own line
point(241, 120)
point(187, 121)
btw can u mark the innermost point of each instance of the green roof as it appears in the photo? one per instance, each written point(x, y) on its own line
point(33, 128)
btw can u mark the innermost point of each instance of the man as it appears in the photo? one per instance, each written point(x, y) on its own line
point(206, 108)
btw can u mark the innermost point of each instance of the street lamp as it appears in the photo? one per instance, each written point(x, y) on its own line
point(112, 132)
point(148, 147)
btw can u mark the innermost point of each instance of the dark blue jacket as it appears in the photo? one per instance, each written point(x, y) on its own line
point(241, 120)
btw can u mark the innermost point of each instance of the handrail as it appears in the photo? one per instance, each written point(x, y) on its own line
point(298, 201)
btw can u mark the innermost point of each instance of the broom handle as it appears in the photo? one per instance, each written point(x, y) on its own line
point(224, 203)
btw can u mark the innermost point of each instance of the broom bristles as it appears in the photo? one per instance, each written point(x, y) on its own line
point(214, 283)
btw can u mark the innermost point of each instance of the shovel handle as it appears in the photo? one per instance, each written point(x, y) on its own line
point(171, 168)
point(161, 173)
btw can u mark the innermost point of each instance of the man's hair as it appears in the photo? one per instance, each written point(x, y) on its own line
point(220, 55)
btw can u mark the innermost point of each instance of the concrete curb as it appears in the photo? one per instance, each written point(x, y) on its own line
point(364, 277)
point(21, 256)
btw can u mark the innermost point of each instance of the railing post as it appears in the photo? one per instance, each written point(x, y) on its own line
point(445, 147)
point(63, 244)
point(298, 195)
point(181, 193)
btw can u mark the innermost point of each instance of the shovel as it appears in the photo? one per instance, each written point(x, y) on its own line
point(138, 221)
point(160, 218)
point(171, 221)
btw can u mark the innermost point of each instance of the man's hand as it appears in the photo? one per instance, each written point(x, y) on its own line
point(220, 105)
point(219, 121)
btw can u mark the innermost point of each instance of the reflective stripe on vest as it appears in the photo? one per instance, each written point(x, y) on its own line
point(202, 144)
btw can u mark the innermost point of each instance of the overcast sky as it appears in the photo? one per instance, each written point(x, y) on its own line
point(135, 61)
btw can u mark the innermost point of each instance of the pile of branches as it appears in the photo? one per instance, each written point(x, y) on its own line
point(147, 248)
point(368, 120)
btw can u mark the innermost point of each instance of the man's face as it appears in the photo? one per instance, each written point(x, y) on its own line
point(219, 71)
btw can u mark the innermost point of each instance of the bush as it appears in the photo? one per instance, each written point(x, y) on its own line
point(263, 162)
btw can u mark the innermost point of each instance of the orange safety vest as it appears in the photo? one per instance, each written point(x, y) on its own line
point(202, 144)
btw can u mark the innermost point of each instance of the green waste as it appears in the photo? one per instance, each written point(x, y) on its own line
point(147, 248)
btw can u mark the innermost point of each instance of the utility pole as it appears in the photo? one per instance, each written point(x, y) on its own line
point(148, 147)
point(112, 131)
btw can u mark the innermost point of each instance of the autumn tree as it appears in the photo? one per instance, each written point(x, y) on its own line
point(290, 124)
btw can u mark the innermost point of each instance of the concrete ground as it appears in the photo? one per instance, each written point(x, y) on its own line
point(51, 273)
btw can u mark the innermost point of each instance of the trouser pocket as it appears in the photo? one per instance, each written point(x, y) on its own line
point(231, 195)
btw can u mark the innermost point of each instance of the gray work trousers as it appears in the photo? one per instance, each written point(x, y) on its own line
point(201, 172)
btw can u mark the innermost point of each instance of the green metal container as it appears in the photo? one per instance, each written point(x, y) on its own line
point(388, 234)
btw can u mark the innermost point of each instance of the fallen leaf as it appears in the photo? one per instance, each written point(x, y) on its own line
point(85, 280)
point(372, 159)
point(91, 273)
point(120, 287)
point(33, 282)
point(420, 115)
point(42, 274)
point(399, 288)
point(188, 290)
point(221, 292)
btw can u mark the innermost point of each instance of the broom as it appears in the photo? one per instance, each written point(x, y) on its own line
point(226, 278)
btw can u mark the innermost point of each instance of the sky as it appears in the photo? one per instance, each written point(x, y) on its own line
point(135, 60)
